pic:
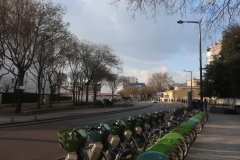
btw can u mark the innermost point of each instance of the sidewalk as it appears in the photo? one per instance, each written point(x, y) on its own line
point(219, 139)
point(10, 117)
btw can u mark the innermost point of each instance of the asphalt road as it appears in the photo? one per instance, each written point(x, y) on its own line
point(40, 141)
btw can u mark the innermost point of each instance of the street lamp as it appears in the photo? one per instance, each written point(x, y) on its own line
point(200, 52)
point(191, 80)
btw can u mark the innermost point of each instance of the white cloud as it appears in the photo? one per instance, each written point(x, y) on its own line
point(145, 46)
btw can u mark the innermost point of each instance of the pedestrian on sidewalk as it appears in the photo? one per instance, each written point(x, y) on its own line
point(111, 103)
point(205, 103)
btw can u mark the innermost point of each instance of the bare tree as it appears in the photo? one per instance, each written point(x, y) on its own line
point(130, 91)
point(95, 56)
point(49, 73)
point(147, 91)
point(114, 82)
point(7, 84)
point(74, 64)
point(55, 76)
point(55, 65)
point(216, 15)
point(24, 26)
point(160, 82)
point(3, 80)
point(45, 52)
point(101, 75)
point(80, 84)
point(60, 74)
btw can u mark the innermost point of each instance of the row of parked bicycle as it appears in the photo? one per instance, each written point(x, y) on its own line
point(148, 136)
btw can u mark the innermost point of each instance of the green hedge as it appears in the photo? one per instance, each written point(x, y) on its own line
point(26, 98)
point(80, 103)
point(7, 98)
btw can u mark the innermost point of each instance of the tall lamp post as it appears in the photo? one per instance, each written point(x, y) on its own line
point(191, 80)
point(200, 52)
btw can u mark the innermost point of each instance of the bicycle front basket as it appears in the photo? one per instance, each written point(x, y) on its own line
point(147, 119)
point(114, 130)
point(139, 122)
point(95, 136)
point(65, 140)
point(127, 125)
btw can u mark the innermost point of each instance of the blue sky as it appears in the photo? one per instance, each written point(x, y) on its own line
point(145, 45)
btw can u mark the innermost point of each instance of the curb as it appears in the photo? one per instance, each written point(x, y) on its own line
point(55, 109)
point(47, 120)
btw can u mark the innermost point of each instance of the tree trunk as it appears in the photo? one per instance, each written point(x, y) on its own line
point(43, 92)
point(74, 92)
point(19, 93)
point(82, 93)
point(87, 89)
point(51, 90)
point(94, 92)
point(59, 94)
point(39, 93)
point(14, 96)
point(51, 95)
point(79, 92)
point(19, 103)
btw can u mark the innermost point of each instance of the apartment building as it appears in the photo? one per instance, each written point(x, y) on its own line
point(213, 51)
point(7, 81)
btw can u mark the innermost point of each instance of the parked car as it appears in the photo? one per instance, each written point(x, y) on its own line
point(237, 104)
point(154, 101)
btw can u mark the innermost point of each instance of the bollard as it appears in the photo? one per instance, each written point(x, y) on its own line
point(12, 119)
point(35, 117)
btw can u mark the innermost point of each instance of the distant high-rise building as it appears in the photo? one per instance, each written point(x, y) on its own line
point(133, 79)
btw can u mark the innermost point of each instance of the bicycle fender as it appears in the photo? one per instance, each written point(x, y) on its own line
point(169, 140)
point(163, 148)
point(175, 136)
point(152, 155)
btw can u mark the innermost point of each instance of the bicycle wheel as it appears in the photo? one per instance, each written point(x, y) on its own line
point(198, 127)
point(193, 135)
point(153, 137)
point(181, 139)
point(138, 145)
point(188, 140)
point(196, 123)
point(180, 151)
point(191, 132)
point(173, 155)
point(184, 147)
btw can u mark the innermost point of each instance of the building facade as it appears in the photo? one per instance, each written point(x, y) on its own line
point(180, 92)
point(213, 51)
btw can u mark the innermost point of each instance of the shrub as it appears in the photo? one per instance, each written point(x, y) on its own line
point(98, 102)
point(80, 103)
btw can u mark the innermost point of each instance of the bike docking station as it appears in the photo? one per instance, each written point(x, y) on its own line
point(147, 136)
